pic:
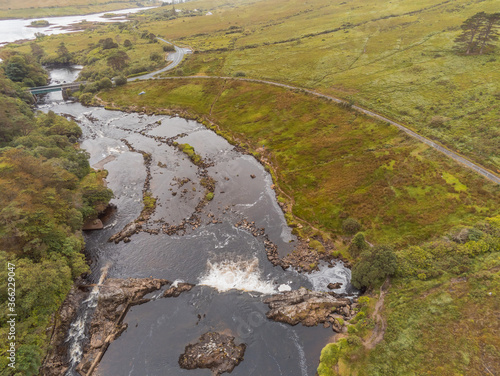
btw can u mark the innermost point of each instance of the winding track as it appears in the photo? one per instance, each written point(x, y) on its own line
point(175, 59)
point(179, 55)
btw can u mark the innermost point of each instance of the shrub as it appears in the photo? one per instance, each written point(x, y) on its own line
point(120, 80)
point(105, 83)
point(155, 56)
point(358, 245)
point(86, 98)
point(209, 196)
point(375, 265)
point(351, 226)
point(168, 48)
point(240, 74)
point(127, 43)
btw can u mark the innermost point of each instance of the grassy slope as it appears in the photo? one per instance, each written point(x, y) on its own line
point(395, 58)
point(443, 326)
point(52, 8)
point(332, 161)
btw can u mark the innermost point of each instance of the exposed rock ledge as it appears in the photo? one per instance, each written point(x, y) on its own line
point(310, 308)
point(116, 296)
point(214, 351)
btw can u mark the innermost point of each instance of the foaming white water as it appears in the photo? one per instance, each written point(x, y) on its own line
point(76, 333)
point(283, 288)
point(326, 275)
point(242, 275)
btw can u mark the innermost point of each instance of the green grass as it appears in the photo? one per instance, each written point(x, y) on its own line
point(443, 326)
point(329, 160)
point(395, 58)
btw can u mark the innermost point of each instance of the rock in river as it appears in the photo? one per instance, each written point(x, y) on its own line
point(307, 307)
point(214, 351)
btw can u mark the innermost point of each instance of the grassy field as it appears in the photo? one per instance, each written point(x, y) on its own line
point(331, 161)
point(54, 8)
point(394, 58)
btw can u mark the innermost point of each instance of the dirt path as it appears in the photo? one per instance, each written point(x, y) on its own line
point(380, 324)
point(450, 154)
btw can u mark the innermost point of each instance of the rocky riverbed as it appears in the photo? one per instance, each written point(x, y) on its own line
point(226, 247)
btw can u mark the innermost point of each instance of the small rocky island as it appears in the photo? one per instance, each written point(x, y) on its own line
point(215, 351)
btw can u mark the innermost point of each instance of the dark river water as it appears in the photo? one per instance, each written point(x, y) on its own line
point(228, 264)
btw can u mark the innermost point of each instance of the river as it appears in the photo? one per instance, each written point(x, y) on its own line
point(19, 29)
point(227, 263)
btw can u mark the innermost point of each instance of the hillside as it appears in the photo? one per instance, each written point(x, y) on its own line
point(396, 58)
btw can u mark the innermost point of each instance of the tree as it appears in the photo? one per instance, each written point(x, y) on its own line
point(375, 265)
point(351, 226)
point(489, 32)
point(37, 51)
point(478, 32)
point(64, 57)
point(108, 44)
point(358, 245)
point(118, 60)
point(120, 80)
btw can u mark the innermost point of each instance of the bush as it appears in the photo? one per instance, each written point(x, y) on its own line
point(86, 99)
point(240, 74)
point(127, 43)
point(120, 80)
point(91, 88)
point(168, 48)
point(351, 226)
point(105, 83)
point(375, 265)
point(209, 196)
point(358, 245)
point(156, 56)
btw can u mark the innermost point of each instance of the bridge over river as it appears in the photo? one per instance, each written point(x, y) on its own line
point(52, 88)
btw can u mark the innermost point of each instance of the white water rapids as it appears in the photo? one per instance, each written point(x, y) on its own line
point(242, 275)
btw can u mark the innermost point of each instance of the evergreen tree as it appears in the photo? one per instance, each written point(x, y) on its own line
point(478, 33)
point(489, 32)
point(468, 40)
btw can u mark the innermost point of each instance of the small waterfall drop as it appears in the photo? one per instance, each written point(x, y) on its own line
point(76, 333)
point(242, 275)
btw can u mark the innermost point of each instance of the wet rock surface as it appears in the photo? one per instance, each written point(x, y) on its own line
point(175, 291)
point(116, 296)
point(215, 351)
point(309, 308)
point(56, 362)
point(334, 286)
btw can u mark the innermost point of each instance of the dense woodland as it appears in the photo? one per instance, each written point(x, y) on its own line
point(48, 191)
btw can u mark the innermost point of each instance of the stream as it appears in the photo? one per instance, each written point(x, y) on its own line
point(227, 263)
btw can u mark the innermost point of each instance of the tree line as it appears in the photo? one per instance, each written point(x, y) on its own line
point(48, 191)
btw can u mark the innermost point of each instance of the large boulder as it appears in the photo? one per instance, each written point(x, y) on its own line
point(214, 351)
